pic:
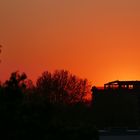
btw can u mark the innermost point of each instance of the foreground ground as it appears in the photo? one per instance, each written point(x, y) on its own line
point(120, 135)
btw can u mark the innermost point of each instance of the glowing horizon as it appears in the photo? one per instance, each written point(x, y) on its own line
point(98, 40)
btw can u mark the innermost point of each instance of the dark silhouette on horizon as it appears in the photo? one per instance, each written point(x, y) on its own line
point(54, 108)
point(118, 104)
point(123, 85)
point(62, 87)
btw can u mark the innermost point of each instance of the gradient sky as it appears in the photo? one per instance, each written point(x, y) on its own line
point(94, 39)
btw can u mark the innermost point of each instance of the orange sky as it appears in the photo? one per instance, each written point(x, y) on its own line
point(94, 39)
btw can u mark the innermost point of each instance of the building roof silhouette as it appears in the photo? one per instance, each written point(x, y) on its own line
point(122, 84)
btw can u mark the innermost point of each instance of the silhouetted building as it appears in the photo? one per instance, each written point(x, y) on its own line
point(117, 104)
point(122, 85)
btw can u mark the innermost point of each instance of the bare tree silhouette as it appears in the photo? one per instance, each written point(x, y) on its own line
point(62, 87)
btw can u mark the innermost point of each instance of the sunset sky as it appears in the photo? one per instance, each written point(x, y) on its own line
point(94, 39)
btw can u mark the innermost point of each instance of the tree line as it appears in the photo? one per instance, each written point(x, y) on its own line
point(56, 105)
point(60, 87)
